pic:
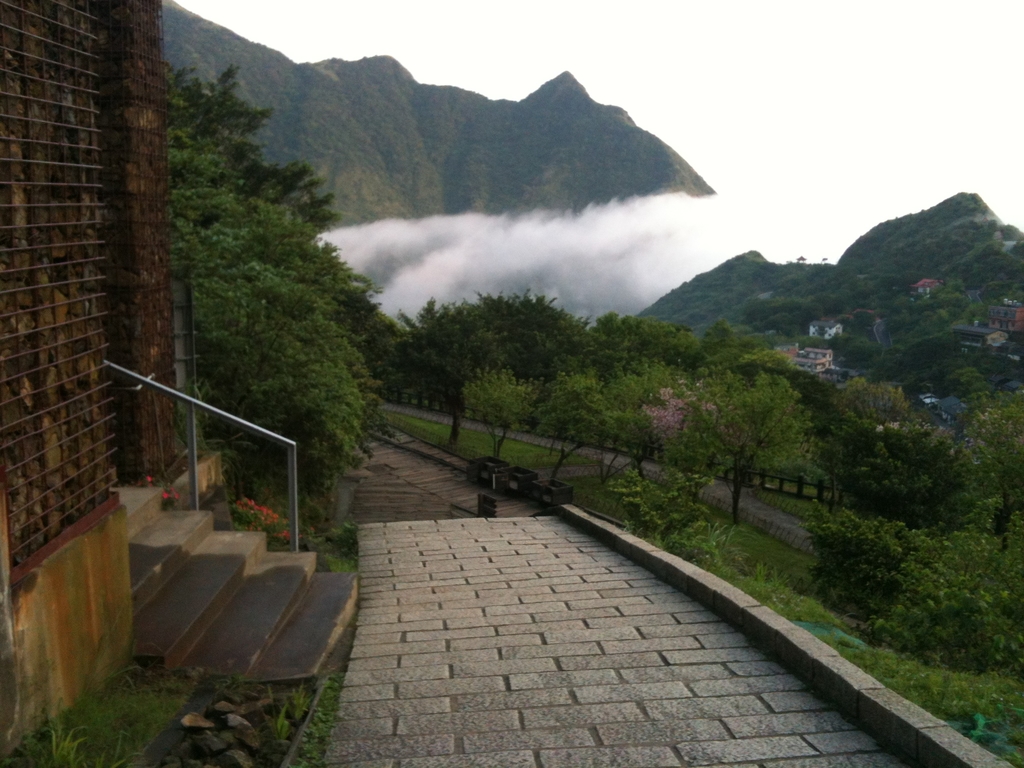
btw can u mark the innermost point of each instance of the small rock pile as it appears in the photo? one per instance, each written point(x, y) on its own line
point(240, 729)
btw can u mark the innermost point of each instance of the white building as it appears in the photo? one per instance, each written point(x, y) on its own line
point(826, 329)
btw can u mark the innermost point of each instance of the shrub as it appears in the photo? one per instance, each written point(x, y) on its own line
point(962, 604)
point(247, 515)
point(861, 561)
point(660, 509)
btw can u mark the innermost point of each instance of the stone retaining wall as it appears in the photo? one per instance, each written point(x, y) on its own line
point(899, 725)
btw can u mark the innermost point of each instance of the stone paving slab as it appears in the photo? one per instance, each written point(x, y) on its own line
point(525, 642)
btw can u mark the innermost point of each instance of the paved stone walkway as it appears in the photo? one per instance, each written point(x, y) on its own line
point(404, 486)
point(525, 642)
point(775, 522)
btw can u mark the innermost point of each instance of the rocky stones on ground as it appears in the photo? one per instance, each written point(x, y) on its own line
point(234, 758)
point(209, 745)
point(237, 722)
point(237, 730)
point(195, 721)
point(222, 708)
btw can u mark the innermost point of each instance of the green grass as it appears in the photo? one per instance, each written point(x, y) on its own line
point(758, 548)
point(754, 546)
point(473, 444)
point(111, 725)
point(318, 732)
point(791, 504)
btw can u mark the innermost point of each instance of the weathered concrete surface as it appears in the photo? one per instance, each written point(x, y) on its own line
point(72, 625)
point(527, 642)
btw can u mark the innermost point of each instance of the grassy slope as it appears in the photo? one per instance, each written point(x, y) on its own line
point(475, 444)
point(111, 724)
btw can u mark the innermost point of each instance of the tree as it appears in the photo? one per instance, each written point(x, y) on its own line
point(573, 414)
point(502, 402)
point(906, 472)
point(533, 336)
point(729, 420)
point(209, 123)
point(617, 345)
point(629, 425)
point(442, 350)
point(997, 434)
point(281, 321)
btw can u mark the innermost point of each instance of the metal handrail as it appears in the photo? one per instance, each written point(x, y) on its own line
point(193, 461)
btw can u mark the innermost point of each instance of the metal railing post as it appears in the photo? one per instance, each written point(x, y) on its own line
point(293, 495)
point(193, 457)
point(253, 429)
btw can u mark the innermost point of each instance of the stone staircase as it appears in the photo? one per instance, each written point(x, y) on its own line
point(219, 600)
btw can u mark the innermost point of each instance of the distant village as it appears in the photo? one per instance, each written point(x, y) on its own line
point(995, 338)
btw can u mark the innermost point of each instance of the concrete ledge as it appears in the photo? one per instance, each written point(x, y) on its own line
point(899, 725)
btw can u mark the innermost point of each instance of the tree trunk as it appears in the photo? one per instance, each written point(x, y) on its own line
point(456, 411)
point(499, 442)
point(737, 489)
point(563, 454)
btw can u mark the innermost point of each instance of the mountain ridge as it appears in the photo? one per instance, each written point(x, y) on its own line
point(388, 146)
point(959, 238)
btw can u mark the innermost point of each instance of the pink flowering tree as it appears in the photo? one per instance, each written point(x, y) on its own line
point(730, 421)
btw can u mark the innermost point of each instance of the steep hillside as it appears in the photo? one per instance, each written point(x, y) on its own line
point(930, 242)
point(959, 239)
point(717, 294)
point(389, 146)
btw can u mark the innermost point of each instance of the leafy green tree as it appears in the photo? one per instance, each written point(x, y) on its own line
point(573, 415)
point(211, 124)
point(661, 510)
point(629, 425)
point(534, 338)
point(280, 319)
point(997, 435)
point(738, 423)
point(907, 472)
point(501, 402)
point(620, 344)
point(441, 350)
point(860, 402)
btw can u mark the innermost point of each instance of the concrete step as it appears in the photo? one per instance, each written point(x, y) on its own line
point(141, 505)
point(305, 642)
point(157, 551)
point(257, 611)
point(169, 624)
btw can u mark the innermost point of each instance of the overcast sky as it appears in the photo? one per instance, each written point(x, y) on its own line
point(818, 119)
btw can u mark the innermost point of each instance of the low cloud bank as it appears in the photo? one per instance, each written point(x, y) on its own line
point(615, 257)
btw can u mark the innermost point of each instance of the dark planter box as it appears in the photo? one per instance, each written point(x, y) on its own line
point(489, 466)
point(550, 492)
point(519, 479)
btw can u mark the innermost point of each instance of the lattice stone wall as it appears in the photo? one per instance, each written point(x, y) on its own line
point(84, 260)
point(133, 119)
point(55, 436)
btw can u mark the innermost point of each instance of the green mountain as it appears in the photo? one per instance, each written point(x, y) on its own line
point(389, 146)
point(959, 239)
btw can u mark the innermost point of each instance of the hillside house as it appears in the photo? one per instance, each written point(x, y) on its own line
point(978, 336)
point(924, 287)
point(813, 360)
point(825, 328)
point(1008, 317)
point(950, 409)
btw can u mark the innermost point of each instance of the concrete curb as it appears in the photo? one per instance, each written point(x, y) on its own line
point(897, 724)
